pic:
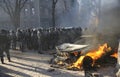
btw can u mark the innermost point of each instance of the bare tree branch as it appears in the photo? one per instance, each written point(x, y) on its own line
point(55, 1)
point(65, 4)
point(23, 3)
point(4, 8)
point(13, 9)
point(9, 10)
point(10, 6)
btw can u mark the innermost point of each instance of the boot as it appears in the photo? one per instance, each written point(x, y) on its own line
point(9, 59)
point(2, 60)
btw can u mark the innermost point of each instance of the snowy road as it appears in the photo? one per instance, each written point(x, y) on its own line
point(29, 64)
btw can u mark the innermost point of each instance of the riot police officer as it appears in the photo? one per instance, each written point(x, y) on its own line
point(4, 45)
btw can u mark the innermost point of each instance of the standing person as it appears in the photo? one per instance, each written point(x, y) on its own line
point(35, 39)
point(20, 39)
point(44, 40)
point(13, 39)
point(87, 66)
point(39, 34)
point(23, 41)
point(29, 39)
point(4, 45)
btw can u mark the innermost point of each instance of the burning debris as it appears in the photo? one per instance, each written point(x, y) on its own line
point(71, 56)
point(115, 55)
point(67, 54)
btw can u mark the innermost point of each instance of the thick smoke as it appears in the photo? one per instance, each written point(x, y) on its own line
point(78, 15)
point(106, 30)
point(109, 23)
point(100, 17)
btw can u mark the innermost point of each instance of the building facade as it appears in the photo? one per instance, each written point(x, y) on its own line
point(38, 13)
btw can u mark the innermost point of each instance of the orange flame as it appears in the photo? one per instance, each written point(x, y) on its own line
point(115, 55)
point(94, 54)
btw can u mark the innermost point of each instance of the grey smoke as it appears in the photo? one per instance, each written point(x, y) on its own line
point(82, 14)
point(78, 15)
point(108, 28)
point(109, 23)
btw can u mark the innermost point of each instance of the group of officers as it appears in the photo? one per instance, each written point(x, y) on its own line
point(35, 39)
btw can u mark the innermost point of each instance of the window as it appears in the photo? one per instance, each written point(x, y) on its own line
point(33, 11)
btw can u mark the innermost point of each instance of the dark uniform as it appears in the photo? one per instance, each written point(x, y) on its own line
point(4, 45)
point(39, 34)
point(87, 66)
point(13, 39)
point(20, 39)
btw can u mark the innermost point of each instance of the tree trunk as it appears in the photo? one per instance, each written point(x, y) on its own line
point(15, 19)
point(17, 23)
point(53, 15)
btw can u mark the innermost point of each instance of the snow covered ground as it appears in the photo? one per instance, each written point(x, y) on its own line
point(32, 64)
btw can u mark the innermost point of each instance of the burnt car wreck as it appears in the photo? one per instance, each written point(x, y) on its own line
point(73, 57)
